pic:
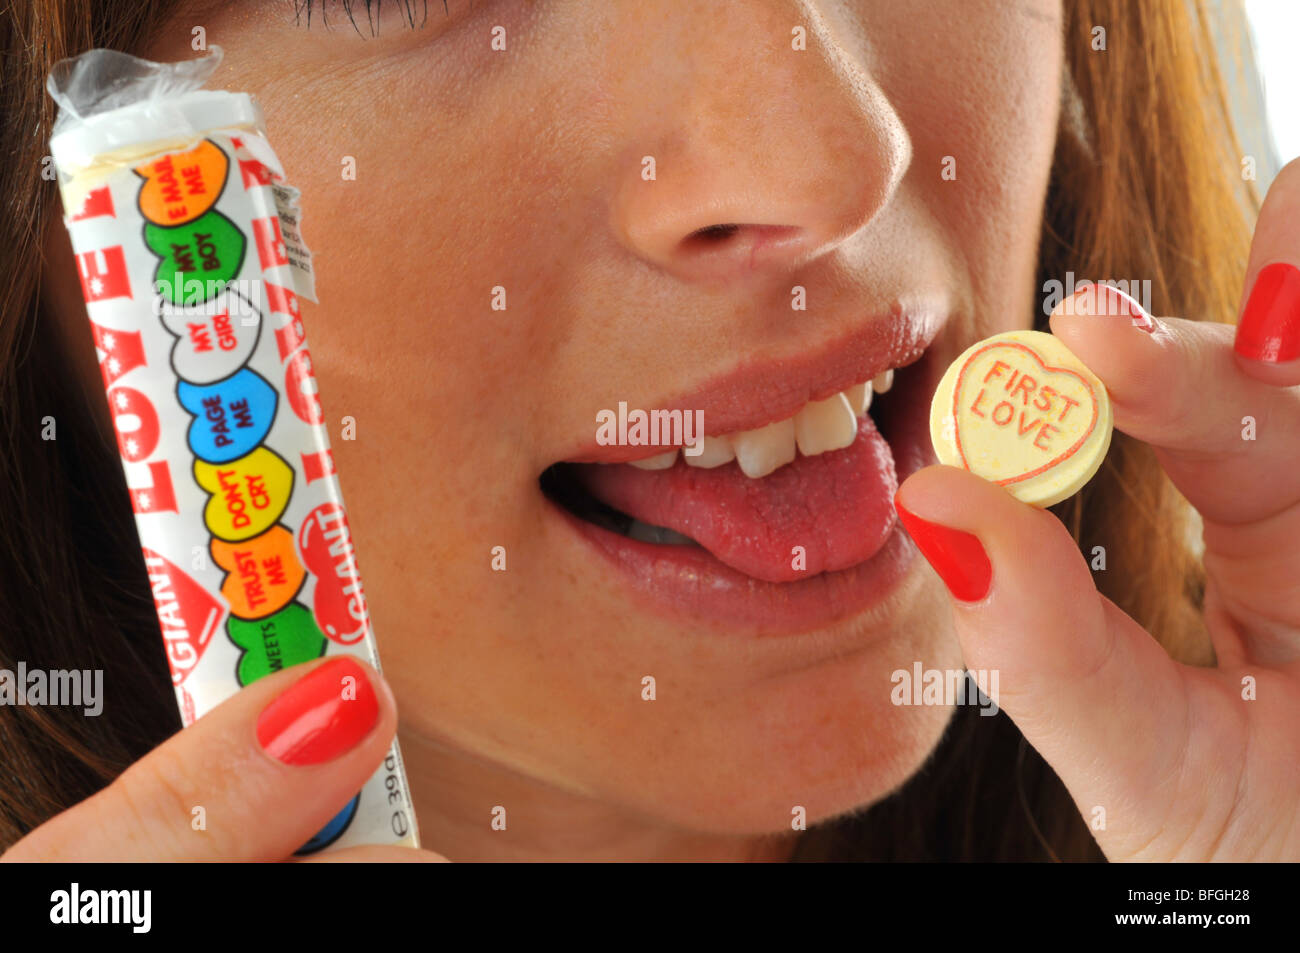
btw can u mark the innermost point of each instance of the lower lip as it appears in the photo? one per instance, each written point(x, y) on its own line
point(688, 584)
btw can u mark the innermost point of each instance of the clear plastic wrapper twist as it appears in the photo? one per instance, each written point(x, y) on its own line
point(191, 258)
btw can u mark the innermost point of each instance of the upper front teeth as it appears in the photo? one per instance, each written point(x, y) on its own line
point(761, 451)
point(818, 427)
point(859, 396)
point(825, 425)
point(716, 452)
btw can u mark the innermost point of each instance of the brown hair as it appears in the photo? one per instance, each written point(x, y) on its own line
point(73, 587)
point(1146, 184)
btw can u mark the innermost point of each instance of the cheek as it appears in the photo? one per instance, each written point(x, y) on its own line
point(981, 102)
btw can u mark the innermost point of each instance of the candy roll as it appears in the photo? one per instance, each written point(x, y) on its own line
point(192, 264)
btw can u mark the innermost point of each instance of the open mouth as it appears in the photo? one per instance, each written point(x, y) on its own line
point(803, 499)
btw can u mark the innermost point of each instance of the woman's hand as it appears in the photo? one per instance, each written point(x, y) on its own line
point(1187, 763)
point(269, 768)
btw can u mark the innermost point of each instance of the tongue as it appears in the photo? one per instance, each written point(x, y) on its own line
point(838, 506)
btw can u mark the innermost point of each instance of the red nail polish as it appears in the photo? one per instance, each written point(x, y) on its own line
point(1107, 299)
point(321, 716)
point(1269, 329)
point(957, 556)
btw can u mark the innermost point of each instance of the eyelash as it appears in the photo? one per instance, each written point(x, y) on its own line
point(303, 8)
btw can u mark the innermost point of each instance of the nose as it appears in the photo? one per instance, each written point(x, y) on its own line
point(751, 157)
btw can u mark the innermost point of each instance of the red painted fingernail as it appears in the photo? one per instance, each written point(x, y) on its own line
point(957, 556)
point(1107, 299)
point(1269, 329)
point(321, 716)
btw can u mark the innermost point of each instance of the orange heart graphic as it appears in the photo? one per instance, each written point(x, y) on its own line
point(262, 574)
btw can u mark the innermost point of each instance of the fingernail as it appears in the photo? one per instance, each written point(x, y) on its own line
point(321, 716)
point(957, 556)
point(1106, 299)
point(1269, 329)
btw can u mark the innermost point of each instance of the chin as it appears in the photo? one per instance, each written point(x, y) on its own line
point(738, 757)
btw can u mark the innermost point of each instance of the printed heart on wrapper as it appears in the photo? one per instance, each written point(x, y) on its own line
point(181, 186)
point(231, 417)
point(325, 541)
point(275, 642)
point(262, 574)
point(213, 339)
point(248, 494)
point(196, 259)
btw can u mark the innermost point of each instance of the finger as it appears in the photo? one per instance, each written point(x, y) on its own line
point(367, 854)
point(1227, 441)
point(1268, 329)
point(1221, 436)
point(264, 771)
point(1087, 686)
point(1252, 601)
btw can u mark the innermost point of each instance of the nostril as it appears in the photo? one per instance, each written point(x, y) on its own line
point(716, 237)
point(710, 235)
point(734, 248)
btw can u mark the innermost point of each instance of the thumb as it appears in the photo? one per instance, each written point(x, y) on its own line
point(1094, 694)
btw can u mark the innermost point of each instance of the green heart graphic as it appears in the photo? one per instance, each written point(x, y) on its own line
point(275, 641)
point(197, 258)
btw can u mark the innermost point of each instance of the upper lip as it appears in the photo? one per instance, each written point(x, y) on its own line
point(759, 392)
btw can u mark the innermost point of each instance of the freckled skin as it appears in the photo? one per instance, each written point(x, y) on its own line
point(522, 169)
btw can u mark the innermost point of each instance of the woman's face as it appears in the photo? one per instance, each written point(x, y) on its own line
point(506, 262)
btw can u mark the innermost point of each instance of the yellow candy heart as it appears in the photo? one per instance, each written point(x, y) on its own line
point(1020, 410)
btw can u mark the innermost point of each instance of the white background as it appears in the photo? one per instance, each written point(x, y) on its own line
point(1276, 28)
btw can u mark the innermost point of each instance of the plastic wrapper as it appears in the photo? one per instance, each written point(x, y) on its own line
point(192, 263)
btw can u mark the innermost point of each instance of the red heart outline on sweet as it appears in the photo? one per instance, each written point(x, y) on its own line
point(1061, 458)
